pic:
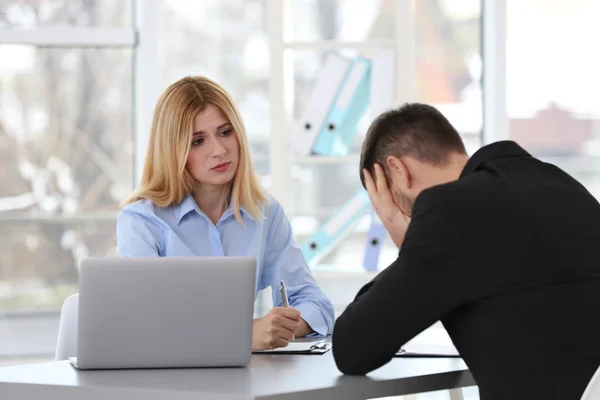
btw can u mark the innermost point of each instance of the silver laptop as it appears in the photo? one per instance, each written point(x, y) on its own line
point(165, 312)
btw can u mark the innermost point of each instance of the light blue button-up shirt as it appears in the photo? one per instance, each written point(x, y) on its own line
point(145, 230)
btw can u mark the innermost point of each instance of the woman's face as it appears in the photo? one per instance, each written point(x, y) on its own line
point(214, 153)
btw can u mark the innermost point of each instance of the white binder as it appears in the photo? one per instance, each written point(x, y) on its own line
point(325, 90)
point(350, 104)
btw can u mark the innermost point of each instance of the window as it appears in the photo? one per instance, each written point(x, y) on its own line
point(227, 42)
point(67, 141)
point(343, 20)
point(449, 64)
point(53, 13)
point(447, 40)
point(66, 145)
point(553, 86)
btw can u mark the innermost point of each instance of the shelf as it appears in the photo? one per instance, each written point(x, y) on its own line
point(62, 36)
point(355, 158)
point(12, 218)
point(338, 45)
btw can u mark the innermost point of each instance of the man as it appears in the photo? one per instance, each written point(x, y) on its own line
point(504, 249)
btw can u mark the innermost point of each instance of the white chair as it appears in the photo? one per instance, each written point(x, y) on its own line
point(66, 345)
point(592, 392)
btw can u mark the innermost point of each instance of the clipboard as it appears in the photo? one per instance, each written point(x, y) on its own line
point(428, 351)
point(321, 347)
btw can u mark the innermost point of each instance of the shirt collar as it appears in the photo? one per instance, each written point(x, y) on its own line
point(189, 204)
point(502, 149)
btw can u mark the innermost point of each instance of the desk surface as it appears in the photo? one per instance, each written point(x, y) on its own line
point(268, 376)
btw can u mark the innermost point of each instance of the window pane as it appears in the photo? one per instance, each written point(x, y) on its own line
point(227, 42)
point(66, 150)
point(448, 73)
point(345, 20)
point(449, 64)
point(38, 270)
point(47, 13)
point(553, 85)
point(65, 129)
point(448, 55)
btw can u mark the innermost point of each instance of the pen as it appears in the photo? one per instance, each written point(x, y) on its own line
point(284, 297)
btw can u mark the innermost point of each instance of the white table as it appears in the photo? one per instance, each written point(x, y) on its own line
point(291, 377)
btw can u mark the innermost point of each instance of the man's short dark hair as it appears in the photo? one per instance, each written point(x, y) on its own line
point(415, 130)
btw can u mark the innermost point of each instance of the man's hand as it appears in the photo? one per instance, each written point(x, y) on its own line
point(275, 329)
point(392, 218)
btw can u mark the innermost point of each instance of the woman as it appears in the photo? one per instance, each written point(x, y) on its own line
point(199, 196)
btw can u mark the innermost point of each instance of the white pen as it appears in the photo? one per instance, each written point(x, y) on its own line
point(284, 299)
point(284, 296)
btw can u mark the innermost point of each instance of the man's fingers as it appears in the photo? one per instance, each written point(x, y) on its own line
point(381, 181)
point(371, 189)
point(369, 184)
point(383, 190)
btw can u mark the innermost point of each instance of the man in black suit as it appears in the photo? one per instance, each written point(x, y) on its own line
point(503, 248)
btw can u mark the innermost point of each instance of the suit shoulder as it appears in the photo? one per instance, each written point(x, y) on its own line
point(440, 195)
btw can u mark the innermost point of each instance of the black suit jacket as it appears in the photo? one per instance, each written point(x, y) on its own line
point(508, 258)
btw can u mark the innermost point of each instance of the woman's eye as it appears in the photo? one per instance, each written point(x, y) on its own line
point(198, 141)
point(226, 132)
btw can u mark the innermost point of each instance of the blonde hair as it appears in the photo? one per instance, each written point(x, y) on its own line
point(165, 179)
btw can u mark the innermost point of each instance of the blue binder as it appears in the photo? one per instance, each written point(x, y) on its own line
point(336, 227)
point(336, 134)
point(374, 242)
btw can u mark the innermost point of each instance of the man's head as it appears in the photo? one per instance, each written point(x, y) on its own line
point(417, 148)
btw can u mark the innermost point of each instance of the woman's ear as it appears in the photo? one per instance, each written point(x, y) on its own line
point(399, 173)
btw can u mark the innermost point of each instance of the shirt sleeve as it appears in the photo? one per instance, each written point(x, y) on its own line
point(284, 261)
point(418, 289)
point(138, 235)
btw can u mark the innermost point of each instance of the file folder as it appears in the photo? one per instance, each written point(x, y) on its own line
point(323, 95)
point(335, 136)
point(336, 228)
point(375, 238)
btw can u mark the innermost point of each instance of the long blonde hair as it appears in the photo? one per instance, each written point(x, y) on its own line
point(165, 179)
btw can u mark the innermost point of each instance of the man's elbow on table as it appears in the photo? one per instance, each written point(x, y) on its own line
point(347, 352)
point(348, 364)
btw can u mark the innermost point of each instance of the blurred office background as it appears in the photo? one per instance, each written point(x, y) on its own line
point(79, 78)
